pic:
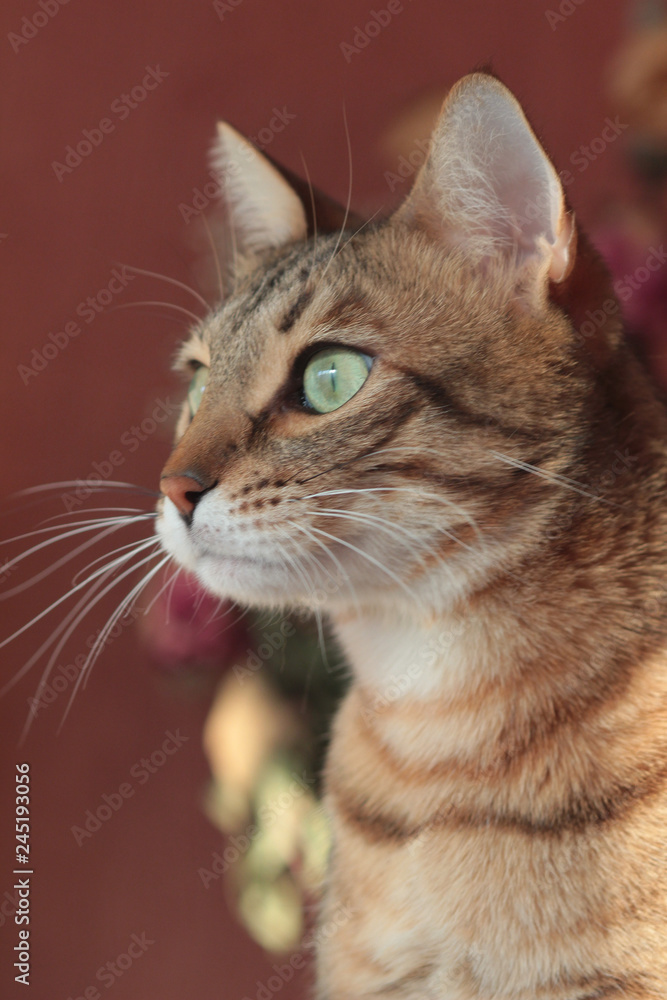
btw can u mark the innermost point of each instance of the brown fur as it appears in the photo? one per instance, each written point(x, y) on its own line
point(497, 779)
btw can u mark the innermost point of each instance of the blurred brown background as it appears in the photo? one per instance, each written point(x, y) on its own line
point(61, 235)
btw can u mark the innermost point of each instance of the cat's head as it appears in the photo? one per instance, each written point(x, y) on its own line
point(373, 398)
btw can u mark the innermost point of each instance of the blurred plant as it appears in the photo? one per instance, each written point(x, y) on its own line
point(265, 738)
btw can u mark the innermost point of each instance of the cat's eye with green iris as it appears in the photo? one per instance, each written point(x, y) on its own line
point(196, 388)
point(334, 376)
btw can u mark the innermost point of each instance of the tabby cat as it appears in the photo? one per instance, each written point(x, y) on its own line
point(435, 421)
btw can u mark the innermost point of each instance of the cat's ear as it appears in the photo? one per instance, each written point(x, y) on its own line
point(488, 187)
point(264, 211)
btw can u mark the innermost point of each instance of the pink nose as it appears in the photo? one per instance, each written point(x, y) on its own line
point(183, 491)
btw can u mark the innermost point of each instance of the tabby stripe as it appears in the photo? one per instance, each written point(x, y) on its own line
point(439, 396)
point(631, 986)
point(295, 310)
point(617, 805)
point(375, 826)
point(418, 975)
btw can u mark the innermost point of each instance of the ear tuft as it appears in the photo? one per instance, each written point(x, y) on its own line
point(263, 209)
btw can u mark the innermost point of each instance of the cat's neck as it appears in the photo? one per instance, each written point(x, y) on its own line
point(560, 632)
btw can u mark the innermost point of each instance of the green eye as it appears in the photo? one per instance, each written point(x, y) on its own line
point(196, 388)
point(333, 376)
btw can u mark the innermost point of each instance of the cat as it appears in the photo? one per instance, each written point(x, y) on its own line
point(439, 412)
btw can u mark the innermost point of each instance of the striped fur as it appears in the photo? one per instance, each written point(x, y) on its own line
point(484, 523)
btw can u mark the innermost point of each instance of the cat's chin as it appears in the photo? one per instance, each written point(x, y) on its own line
point(248, 580)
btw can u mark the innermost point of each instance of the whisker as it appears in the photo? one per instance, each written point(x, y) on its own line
point(97, 579)
point(19, 588)
point(171, 281)
point(64, 597)
point(49, 642)
point(445, 501)
point(161, 591)
point(314, 210)
point(216, 258)
point(369, 558)
point(99, 487)
point(552, 477)
point(362, 226)
point(106, 555)
point(389, 527)
point(349, 192)
point(86, 609)
point(94, 510)
point(84, 613)
point(303, 575)
point(167, 305)
point(392, 526)
point(126, 603)
point(58, 527)
point(345, 576)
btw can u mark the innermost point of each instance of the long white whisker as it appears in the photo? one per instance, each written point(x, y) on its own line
point(349, 192)
point(171, 281)
point(552, 477)
point(49, 642)
point(19, 588)
point(168, 583)
point(362, 226)
point(125, 603)
point(97, 579)
point(314, 210)
point(87, 608)
point(99, 486)
point(303, 575)
point(121, 548)
point(95, 522)
point(216, 258)
point(167, 305)
point(96, 510)
point(64, 597)
point(369, 558)
point(445, 501)
point(389, 528)
point(345, 576)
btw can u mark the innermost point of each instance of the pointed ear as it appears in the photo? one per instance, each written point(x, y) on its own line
point(263, 209)
point(488, 187)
